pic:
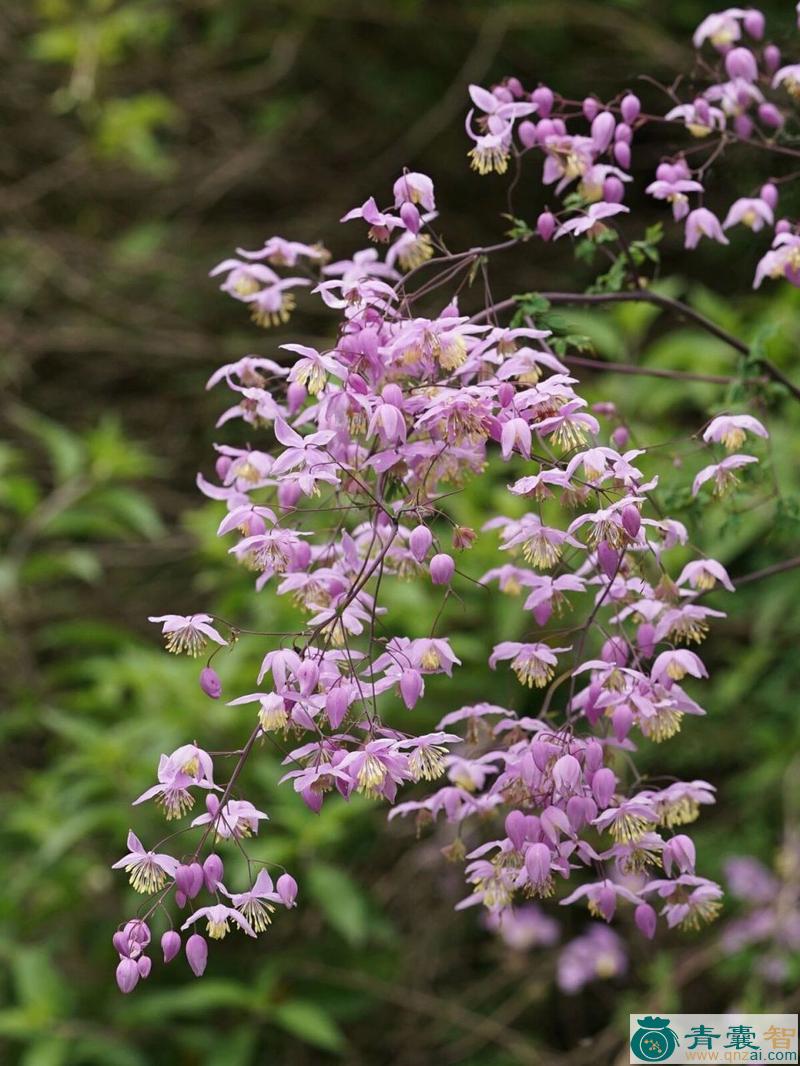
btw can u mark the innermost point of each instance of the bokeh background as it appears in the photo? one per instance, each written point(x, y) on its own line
point(142, 142)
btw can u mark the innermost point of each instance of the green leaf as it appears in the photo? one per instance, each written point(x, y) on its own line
point(65, 449)
point(310, 1023)
point(341, 901)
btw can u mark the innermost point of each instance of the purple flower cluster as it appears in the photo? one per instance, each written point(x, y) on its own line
point(358, 447)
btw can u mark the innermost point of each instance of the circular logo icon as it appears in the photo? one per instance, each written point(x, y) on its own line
point(653, 1041)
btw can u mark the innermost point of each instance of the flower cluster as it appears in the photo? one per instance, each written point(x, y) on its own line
point(361, 445)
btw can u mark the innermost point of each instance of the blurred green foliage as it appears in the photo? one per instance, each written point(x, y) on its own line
point(143, 141)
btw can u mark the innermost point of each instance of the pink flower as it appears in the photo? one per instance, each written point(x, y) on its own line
point(591, 222)
point(731, 430)
point(218, 918)
point(703, 223)
point(721, 473)
point(148, 870)
point(188, 633)
point(754, 213)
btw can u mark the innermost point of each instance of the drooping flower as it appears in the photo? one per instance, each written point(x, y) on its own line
point(148, 870)
point(189, 633)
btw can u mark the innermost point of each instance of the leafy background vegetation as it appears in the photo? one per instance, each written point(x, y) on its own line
point(142, 142)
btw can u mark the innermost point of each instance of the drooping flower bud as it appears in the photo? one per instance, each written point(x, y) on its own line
point(222, 466)
point(419, 542)
point(622, 154)
point(170, 944)
point(608, 558)
point(741, 63)
point(213, 872)
point(411, 686)
point(286, 887)
point(337, 703)
point(515, 826)
point(505, 393)
point(412, 220)
point(307, 676)
point(769, 194)
point(646, 639)
point(630, 107)
point(772, 58)
point(680, 852)
point(620, 437)
point(754, 23)
point(645, 918)
point(442, 568)
point(603, 130)
point(566, 774)
point(144, 964)
point(631, 520)
point(545, 225)
point(543, 98)
point(295, 397)
point(770, 116)
point(604, 781)
point(127, 975)
point(622, 721)
point(197, 954)
point(527, 133)
point(613, 190)
point(615, 651)
point(210, 683)
point(590, 108)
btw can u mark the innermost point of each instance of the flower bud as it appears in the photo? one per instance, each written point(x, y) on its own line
point(210, 683)
point(542, 612)
point(170, 944)
point(754, 23)
point(289, 492)
point(680, 852)
point(144, 964)
point(615, 651)
point(604, 781)
point(122, 943)
point(419, 542)
point(603, 130)
point(222, 466)
point(783, 225)
point(590, 108)
point(213, 872)
point(410, 215)
point(613, 190)
point(621, 722)
point(645, 918)
point(623, 133)
point(741, 63)
point(514, 86)
point(286, 887)
point(770, 116)
point(295, 397)
point(392, 394)
point(622, 154)
point(545, 128)
point(545, 225)
point(769, 194)
point(566, 773)
point(515, 826)
point(646, 639)
point(631, 520)
point(743, 126)
point(127, 975)
point(543, 98)
point(620, 437)
point(505, 393)
point(772, 58)
point(526, 132)
point(197, 954)
point(411, 687)
point(337, 702)
point(442, 568)
point(608, 558)
point(307, 676)
point(630, 108)
point(537, 863)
